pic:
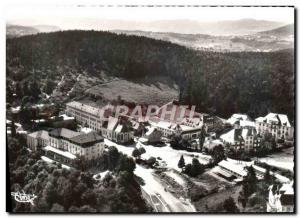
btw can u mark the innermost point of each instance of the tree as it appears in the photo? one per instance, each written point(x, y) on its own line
point(194, 169)
point(218, 154)
point(181, 162)
point(267, 176)
point(175, 141)
point(126, 164)
point(230, 206)
point(57, 208)
point(251, 179)
point(136, 153)
point(151, 161)
point(142, 150)
point(197, 167)
point(13, 128)
point(202, 137)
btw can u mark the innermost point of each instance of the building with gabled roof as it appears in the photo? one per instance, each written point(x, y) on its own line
point(37, 140)
point(118, 129)
point(278, 125)
point(243, 119)
point(88, 115)
point(64, 141)
point(169, 129)
point(152, 136)
point(281, 198)
point(243, 139)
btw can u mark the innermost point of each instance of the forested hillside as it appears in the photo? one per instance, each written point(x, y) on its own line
point(221, 83)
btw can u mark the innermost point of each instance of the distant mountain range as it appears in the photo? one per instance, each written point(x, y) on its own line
point(229, 27)
point(17, 30)
point(271, 40)
point(283, 31)
point(224, 36)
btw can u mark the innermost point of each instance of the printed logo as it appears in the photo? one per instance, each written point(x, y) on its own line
point(23, 198)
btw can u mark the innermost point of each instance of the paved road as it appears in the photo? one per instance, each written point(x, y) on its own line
point(164, 200)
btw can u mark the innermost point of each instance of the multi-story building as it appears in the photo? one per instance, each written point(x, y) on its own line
point(281, 198)
point(85, 114)
point(244, 120)
point(66, 145)
point(243, 139)
point(152, 136)
point(118, 130)
point(169, 129)
point(277, 125)
point(37, 140)
point(173, 112)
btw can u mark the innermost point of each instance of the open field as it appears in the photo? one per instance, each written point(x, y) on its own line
point(150, 92)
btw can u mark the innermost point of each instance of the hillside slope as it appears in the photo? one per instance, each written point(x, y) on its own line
point(222, 83)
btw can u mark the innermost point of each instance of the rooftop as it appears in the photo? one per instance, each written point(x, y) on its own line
point(236, 168)
point(277, 119)
point(63, 132)
point(87, 139)
point(40, 134)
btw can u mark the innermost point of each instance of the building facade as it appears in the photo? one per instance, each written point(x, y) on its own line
point(118, 130)
point(37, 140)
point(281, 198)
point(277, 125)
point(242, 139)
point(66, 145)
point(86, 114)
point(169, 129)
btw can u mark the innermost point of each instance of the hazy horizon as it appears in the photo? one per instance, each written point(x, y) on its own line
point(155, 19)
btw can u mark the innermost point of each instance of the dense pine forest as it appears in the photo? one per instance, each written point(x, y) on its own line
point(218, 83)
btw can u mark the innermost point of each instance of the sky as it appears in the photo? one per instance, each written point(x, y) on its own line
point(79, 16)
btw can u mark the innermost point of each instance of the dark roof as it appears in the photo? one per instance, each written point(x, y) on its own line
point(63, 133)
point(287, 199)
point(79, 138)
point(238, 135)
point(87, 139)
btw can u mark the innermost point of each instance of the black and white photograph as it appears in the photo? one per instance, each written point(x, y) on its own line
point(150, 109)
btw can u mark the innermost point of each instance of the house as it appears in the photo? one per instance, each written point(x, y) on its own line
point(173, 112)
point(66, 145)
point(85, 114)
point(118, 130)
point(210, 143)
point(278, 125)
point(169, 129)
point(229, 169)
point(281, 198)
point(139, 128)
point(152, 136)
point(37, 140)
point(242, 139)
point(244, 120)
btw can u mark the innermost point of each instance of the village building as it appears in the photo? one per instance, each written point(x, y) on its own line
point(281, 198)
point(66, 145)
point(118, 130)
point(242, 139)
point(139, 127)
point(278, 125)
point(37, 140)
point(152, 136)
point(175, 113)
point(231, 171)
point(211, 142)
point(243, 119)
point(86, 115)
point(169, 129)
